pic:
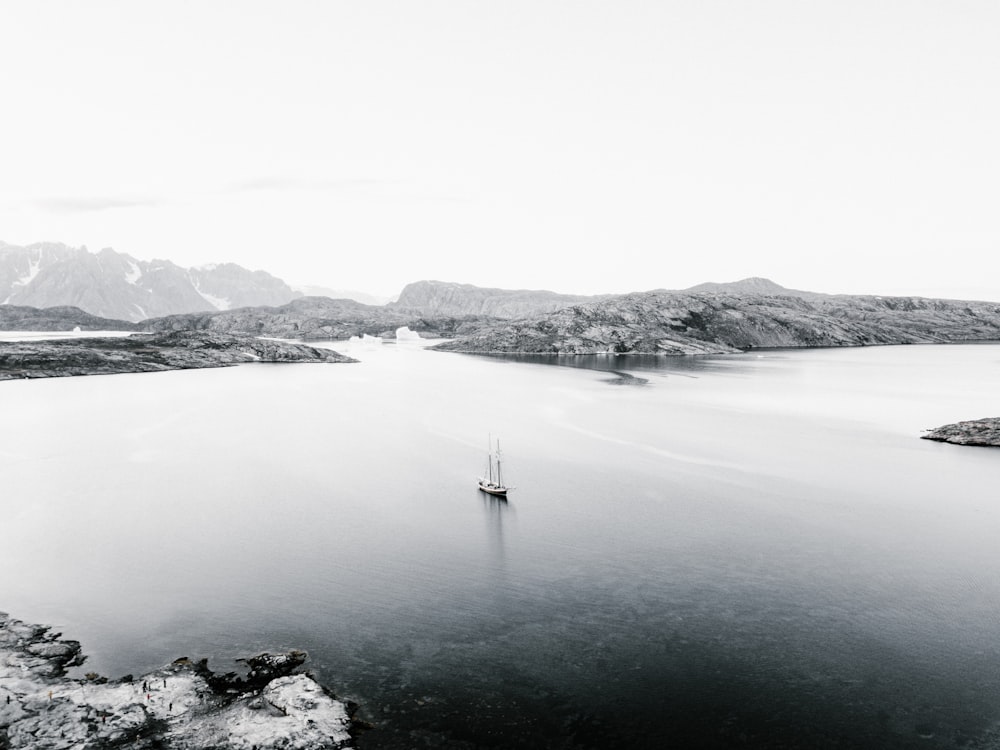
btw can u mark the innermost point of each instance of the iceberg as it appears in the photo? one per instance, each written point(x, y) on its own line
point(405, 334)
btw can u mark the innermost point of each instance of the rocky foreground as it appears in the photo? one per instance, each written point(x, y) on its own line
point(985, 432)
point(182, 706)
point(175, 350)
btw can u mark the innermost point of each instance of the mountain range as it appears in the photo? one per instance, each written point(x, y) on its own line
point(109, 284)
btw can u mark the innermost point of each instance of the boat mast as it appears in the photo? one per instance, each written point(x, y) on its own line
point(489, 456)
point(499, 479)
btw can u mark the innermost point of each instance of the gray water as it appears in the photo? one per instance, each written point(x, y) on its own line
point(752, 550)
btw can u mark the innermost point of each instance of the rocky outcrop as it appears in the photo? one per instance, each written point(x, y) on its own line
point(24, 318)
point(176, 350)
point(115, 285)
point(318, 318)
point(680, 323)
point(181, 706)
point(985, 432)
point(441, 298)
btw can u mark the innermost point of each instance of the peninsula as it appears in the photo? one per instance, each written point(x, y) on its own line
point(173, 350)
point(182, 706)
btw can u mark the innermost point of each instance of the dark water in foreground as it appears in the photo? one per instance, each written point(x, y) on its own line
point(745, 551)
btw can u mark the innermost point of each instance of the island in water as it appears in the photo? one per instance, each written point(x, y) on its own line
point(182, 706)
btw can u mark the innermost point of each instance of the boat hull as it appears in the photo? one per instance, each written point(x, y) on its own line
point(492, 489)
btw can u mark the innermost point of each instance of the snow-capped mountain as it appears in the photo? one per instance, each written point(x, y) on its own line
point(116, 285)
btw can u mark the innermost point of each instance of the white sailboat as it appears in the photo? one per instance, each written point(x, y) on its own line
point(492, 481)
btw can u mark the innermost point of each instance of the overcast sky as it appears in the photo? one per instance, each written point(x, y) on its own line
point(582, 147)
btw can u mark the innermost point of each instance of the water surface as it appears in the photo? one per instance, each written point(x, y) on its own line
point(752, 550)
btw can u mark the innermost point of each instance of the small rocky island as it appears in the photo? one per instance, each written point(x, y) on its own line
point(181, 706)
point(985, 432)
point(149, 352)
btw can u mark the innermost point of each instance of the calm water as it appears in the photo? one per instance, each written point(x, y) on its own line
point(752, 550)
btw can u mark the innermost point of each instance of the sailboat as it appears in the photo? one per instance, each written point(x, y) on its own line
point(492, 481)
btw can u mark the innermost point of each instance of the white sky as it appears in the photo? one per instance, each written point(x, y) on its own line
point(582, 147)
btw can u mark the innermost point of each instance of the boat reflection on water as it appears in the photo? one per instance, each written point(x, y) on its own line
point(497, 509)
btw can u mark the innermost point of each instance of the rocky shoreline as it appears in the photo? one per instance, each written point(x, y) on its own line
point(181, 706)
point(983, 432)
point(175, 350)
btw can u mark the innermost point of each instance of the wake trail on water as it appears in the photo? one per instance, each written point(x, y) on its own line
point(651, 449)
point(460, 439)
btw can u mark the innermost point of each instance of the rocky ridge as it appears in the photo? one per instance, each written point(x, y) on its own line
point(181, 706)
point(442, 298)
point(176, 350)
point(983, 432)
point(713, 323)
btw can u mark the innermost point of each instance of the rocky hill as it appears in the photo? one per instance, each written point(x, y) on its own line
point(115, 285)
point(444, 298)
point(24, 318)
point(319, 318)
point(753, 285)
point(176, 350)
point(684, 323)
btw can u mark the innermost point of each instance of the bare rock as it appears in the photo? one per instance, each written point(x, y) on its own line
point(182, 705)
point(985, 432)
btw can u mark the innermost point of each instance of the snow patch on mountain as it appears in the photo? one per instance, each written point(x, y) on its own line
point(133, 274)
point(34, 266)
point(219, 303)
